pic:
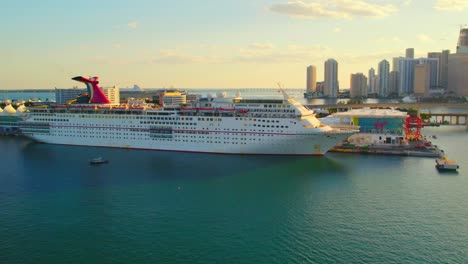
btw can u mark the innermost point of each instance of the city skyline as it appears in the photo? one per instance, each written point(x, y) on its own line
point(215, 44)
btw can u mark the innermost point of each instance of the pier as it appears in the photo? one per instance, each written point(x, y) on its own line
point(453, 118)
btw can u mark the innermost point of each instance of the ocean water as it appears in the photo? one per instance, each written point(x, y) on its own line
point(167, 207)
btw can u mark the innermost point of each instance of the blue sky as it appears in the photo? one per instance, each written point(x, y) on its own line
point(214, 44)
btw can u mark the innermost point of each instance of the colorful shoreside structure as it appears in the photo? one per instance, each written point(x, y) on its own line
point(382, 131)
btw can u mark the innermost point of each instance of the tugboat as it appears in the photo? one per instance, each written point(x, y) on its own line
point(97, 161)
point(446, 165)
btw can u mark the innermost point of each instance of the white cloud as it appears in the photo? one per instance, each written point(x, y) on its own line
point(457, 5)
point(175, 57)
point(407, 2)
point(132, 24)
point(291, 54)
point(388, 40)
point(335, 9)
point(424, 38)
point(262, 46)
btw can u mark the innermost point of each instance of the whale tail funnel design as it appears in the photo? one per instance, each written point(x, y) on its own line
point(95, 93)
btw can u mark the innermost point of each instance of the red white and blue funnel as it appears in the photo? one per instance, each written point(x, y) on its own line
point(95, 93)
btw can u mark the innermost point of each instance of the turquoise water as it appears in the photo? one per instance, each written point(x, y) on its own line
point(164, 207)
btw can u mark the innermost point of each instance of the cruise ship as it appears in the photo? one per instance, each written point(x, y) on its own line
point(215, 124)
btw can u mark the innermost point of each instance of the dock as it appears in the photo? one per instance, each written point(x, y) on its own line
point(416, 150)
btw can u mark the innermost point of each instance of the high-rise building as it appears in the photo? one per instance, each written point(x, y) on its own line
point(358, 85)
point(331, 78)
point(376, 83)
point(443, 69)
point(409, 53)
point(393, 82)
point(406, 76)
point(311, 79)
point(443, 66)
point(434, 70)
point(406, 81)
point(462, 45)
point(371, 84)
point(396, 64)
point(458, 66)
point(422, 79)
point(384, 78)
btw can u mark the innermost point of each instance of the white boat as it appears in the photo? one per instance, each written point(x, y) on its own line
point(257, 126)
point(98, 160)
point(445, 164)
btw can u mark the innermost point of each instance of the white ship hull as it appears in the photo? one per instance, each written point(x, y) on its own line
point(227, 135)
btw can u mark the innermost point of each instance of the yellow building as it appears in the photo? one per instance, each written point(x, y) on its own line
point(422, 77)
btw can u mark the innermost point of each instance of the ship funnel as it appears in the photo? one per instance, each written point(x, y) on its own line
point(96, 94)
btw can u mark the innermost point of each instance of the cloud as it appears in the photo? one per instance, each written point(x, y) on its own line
point(448, 5)
point(424, 38)
point(291, 54)
point(132, 24)
point(407, 2)
point(388, 39)
point(258, 53)
point(334, 9)
point(175, 57)
point(262, 46)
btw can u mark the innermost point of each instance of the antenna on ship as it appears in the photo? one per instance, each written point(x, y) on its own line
point(281, 90)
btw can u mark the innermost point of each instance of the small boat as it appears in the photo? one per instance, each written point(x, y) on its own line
point(446, 165)
point(99, 160)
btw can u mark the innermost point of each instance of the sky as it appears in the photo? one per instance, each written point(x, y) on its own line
point(214, 43)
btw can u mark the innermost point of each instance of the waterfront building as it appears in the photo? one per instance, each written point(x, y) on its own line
point(320, 87)
point(384, 72)
point(375, 84)
point(331, 78)
point(371, 85)
point(311, 79)
point(358, 85)
point(443, 66)
point(406, 82)
point(458, 66)
point(112, 93)
point(406, 76)
point(422, 79)
point(64, 95)
point(433, 69)
point(409, 53)
point(376, 126)
point(393, 82)
point(171, 97)
point(462, 45)
point(396, 64)
point(458, 74)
